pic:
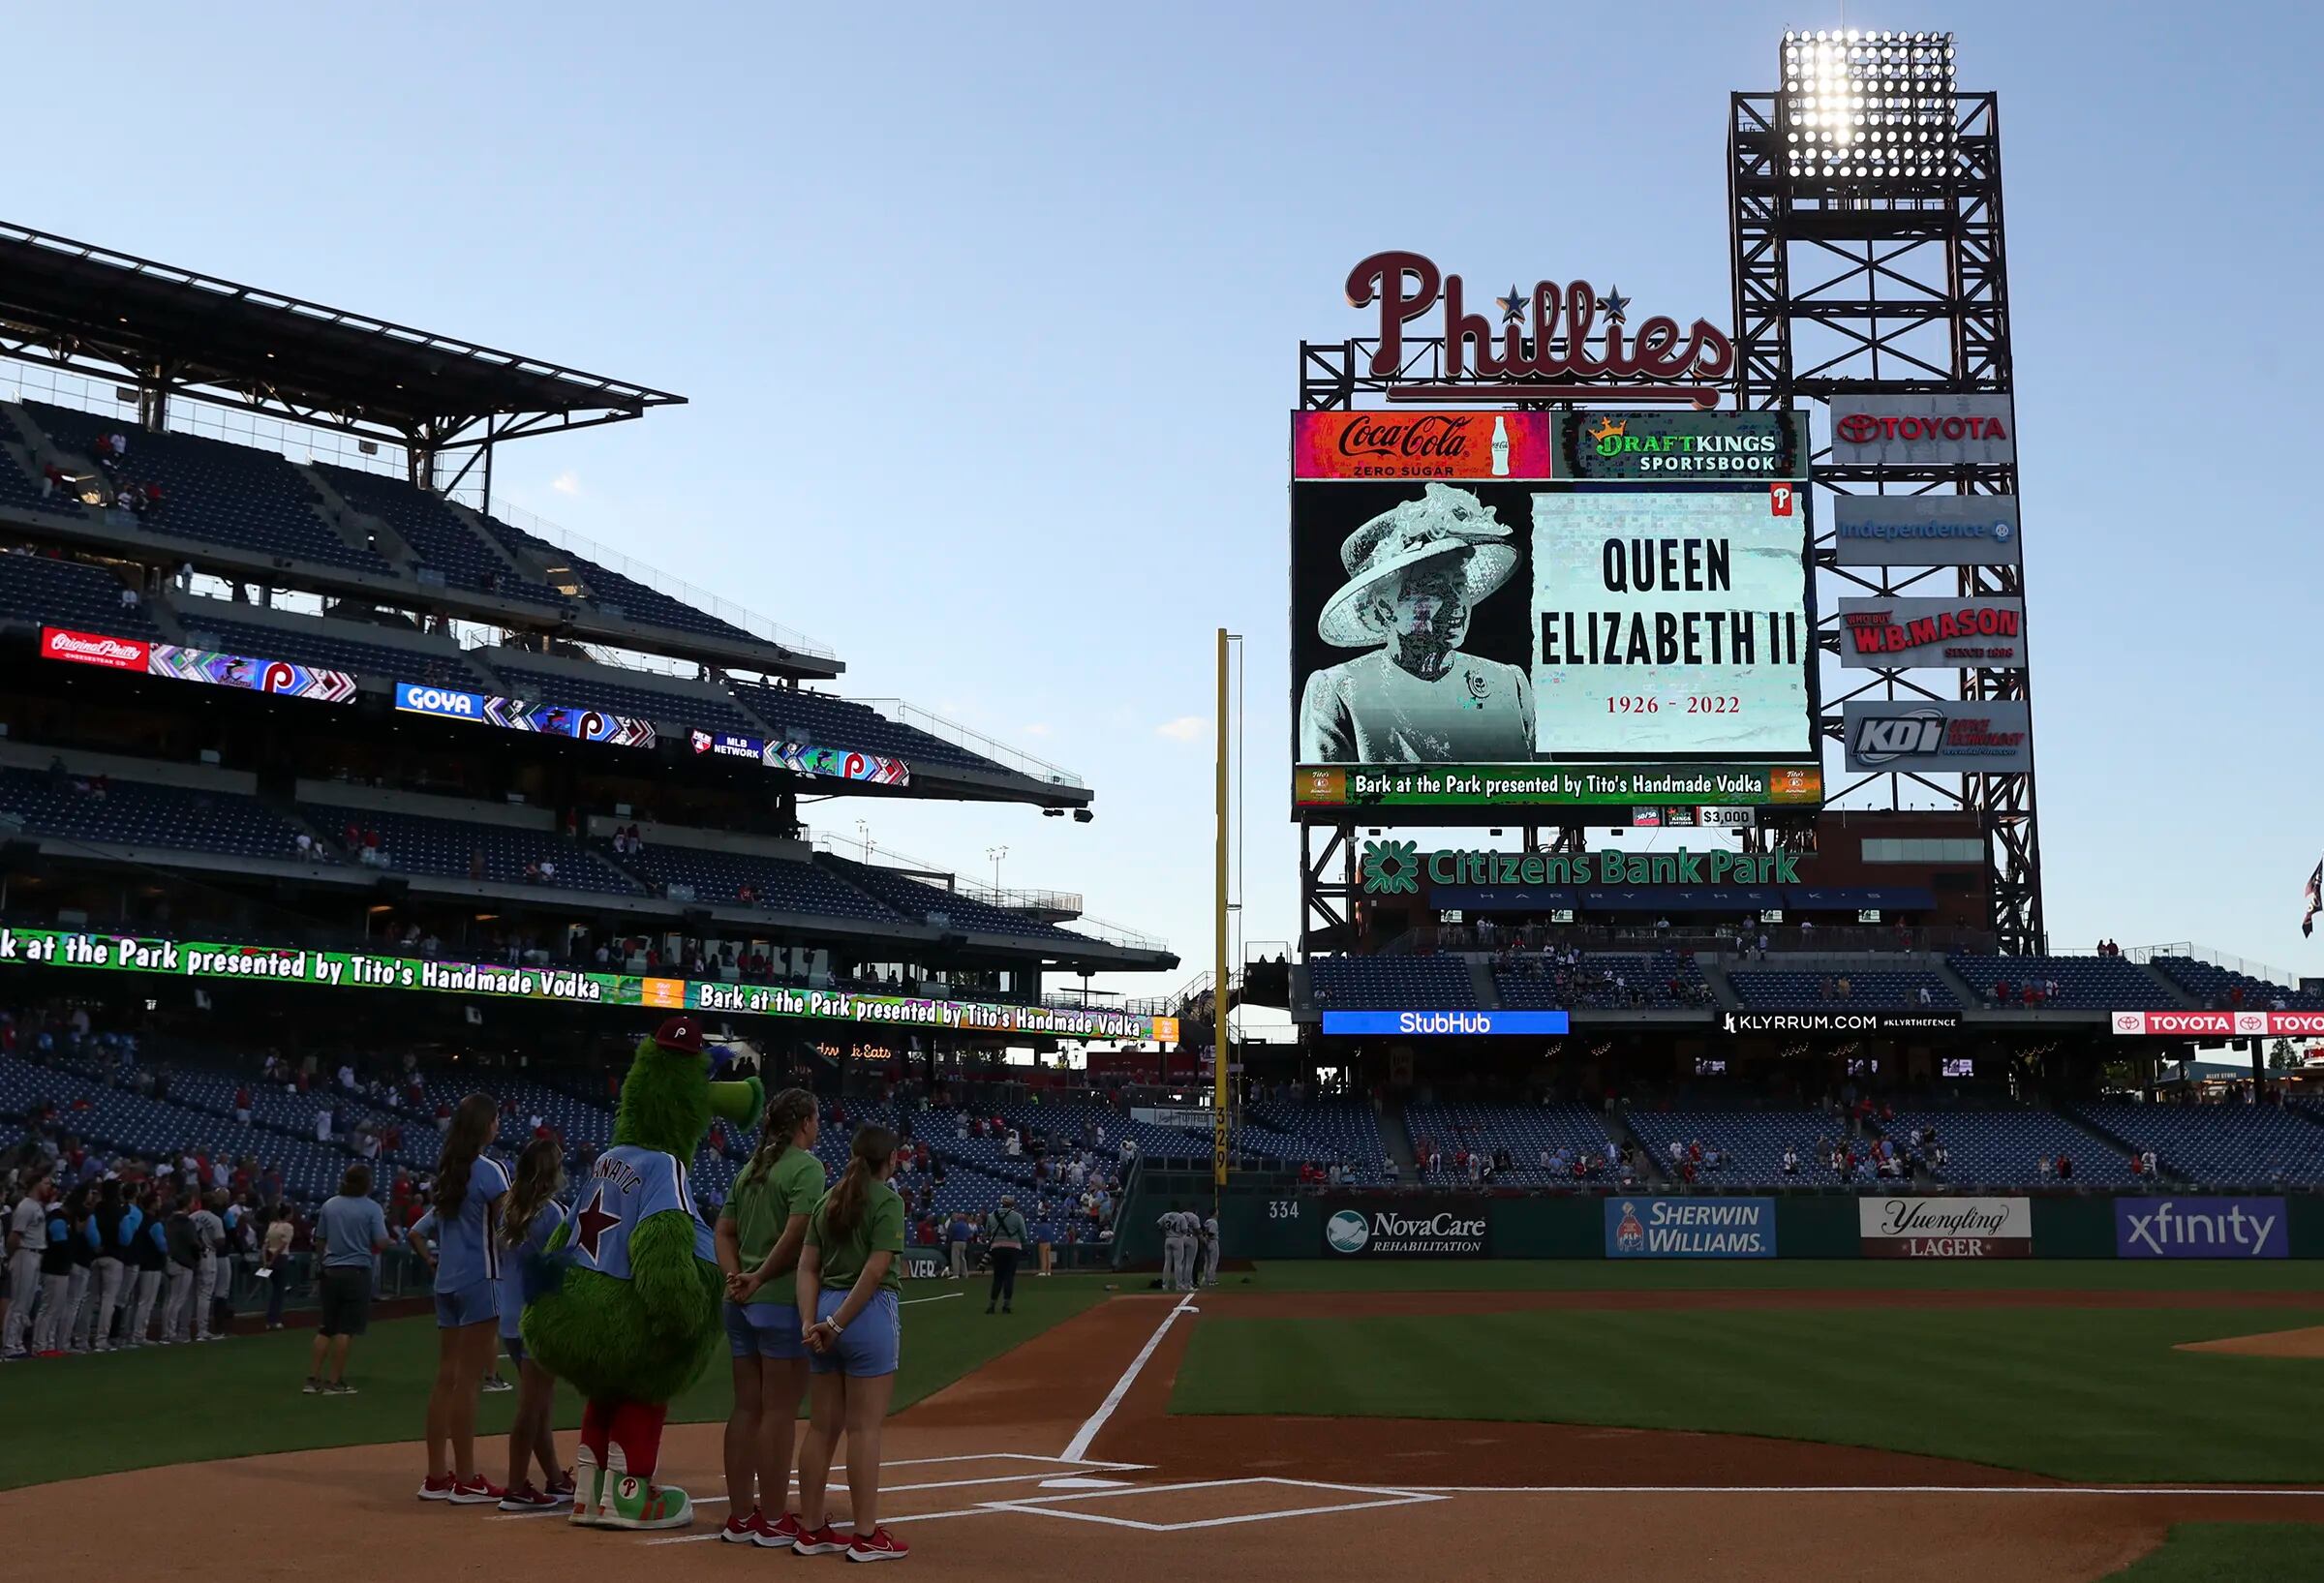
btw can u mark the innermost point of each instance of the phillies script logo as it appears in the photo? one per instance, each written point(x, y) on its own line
point(1864, 428)
point(1442, 435)
point(93, 649)
point(1406, 285)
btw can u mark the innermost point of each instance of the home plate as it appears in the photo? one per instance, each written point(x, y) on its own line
point(1085, 1484)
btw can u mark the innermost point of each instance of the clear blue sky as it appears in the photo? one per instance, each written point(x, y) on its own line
point(988, 316)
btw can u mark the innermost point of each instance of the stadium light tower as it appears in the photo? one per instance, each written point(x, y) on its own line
point(996, 853)
point(1870, 269)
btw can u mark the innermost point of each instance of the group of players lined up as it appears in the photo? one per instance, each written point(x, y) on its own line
point(93, 1267)
point(1189, 1249)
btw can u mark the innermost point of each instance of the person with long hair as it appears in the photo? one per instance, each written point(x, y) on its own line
point(529, 1217)
point(849, 1279)
point(465, 1217)
point(759, 1235)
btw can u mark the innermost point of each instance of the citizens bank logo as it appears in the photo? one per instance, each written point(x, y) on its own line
point(1390, 868)
point(1347, 1232)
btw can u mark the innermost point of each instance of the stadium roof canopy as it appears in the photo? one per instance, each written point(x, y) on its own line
point(111, 316)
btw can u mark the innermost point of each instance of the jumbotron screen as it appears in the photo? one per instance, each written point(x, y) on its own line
point(1570, 609)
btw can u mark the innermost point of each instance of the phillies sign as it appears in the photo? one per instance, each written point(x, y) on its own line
point(1543, 336)
point(2219, 1024)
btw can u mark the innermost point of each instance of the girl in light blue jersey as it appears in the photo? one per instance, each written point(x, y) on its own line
point(529, 1217)
point(469, 1188)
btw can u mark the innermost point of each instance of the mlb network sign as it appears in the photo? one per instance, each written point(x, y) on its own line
point(1420, 1025)
point(1639, 1228)
point(2200, 1229)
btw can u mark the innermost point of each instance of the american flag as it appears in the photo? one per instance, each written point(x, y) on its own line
point(2315, 900)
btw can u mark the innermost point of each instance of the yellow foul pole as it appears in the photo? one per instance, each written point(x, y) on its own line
point(1218, 955)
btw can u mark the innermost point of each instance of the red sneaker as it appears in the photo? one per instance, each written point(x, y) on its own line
point(878, 1545)
point(779, 1534)
point(437, 1488)
point(525, 1498)
point(562, 1486)
point(818, 1542)
point(740, 1530)
point(477, 1492)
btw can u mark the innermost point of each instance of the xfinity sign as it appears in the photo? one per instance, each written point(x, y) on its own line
point(1425, 1024)
point(2201, 1228)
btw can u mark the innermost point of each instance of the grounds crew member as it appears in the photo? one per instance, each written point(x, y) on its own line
point(1004, 1232)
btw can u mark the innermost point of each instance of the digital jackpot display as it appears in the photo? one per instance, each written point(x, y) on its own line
point(1522, 608)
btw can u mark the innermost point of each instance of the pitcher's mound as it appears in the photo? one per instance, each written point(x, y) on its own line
point(2308, 1343)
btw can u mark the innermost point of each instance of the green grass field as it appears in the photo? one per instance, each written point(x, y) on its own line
point(2233, 1553)
point(240, 1397)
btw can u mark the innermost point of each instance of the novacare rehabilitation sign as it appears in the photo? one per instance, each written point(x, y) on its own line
point(1428, 1229)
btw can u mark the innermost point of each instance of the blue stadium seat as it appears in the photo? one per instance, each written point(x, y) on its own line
point(2095, 984)
point(36, 590)
point(1392, 983)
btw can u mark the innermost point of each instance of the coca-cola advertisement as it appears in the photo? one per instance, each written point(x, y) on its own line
point(94, 649)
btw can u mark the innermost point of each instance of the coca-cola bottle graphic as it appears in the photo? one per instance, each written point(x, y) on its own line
point(1500, 447)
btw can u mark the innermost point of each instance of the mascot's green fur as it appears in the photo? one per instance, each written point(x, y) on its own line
point(630, 1341)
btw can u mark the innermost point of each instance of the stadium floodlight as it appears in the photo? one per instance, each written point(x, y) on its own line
point(1862, 107)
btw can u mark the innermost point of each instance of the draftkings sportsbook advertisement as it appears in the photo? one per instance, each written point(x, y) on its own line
point(1551, 609)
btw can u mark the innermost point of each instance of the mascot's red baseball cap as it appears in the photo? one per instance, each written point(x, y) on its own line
point(680, 1033)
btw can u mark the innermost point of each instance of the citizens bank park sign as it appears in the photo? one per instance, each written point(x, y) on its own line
point(211, 962)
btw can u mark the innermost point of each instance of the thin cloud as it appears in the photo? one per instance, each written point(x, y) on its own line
point(566, 483)
point(1037, 729)
point(1185, 729)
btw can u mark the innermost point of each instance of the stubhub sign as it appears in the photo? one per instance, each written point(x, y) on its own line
point(1421, 1024)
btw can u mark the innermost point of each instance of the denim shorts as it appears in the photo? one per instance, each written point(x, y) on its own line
point(472, 1304)
point(870, 1345)
point(764, 1330)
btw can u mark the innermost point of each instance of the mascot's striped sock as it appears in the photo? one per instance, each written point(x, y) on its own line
point(590, 1483)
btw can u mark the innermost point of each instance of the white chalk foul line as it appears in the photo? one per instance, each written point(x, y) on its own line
point(944, 1483)
point(946, 1297)
point(1854, 1490)
point(1088, 1434)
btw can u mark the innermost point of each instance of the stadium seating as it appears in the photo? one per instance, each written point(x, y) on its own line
point(2220, 1146)
point(2005, 1147)
point(614, 697)
point(923, 903)
point(442, 538)
point(426, 844)
point(1751, 1143)
point(780, 885)
point(239, 495)
point(20, 491)
point(1320, 1132)
point(1391, 983)
point(331, 647)
point(2214, 987)
point(612, 592)
point(141, 814)
point(1605, 981)
point(39, 591)
point(1869, 990)
point(2095, 984)
point(1524, 1130)
point(821, 720)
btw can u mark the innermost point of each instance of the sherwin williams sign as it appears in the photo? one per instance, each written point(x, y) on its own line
point(2201, 1228)
point(1422, 1228)
point(1708, 1228)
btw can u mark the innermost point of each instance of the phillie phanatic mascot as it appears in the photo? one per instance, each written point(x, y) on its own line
point(625, 1300)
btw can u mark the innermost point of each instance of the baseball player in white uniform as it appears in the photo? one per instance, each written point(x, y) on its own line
point(1209, 1250)
point(1174, 1248)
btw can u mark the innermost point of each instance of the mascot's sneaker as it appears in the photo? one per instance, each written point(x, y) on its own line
point(819, 1542)
point(589, 1490)
point(437, 1488)
point(878, 1545)
point(779, 1534)
point(478, 1491)
point(740, 1530)
point(632, 1502)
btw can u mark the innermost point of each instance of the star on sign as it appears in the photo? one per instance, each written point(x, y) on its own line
point(1513, 306)
point(1613, 305)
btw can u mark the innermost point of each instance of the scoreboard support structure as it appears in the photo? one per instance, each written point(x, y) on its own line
point(1890, 286)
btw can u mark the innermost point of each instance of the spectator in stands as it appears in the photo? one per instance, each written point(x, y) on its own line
point(2066, 1168)
point(1790, 1160)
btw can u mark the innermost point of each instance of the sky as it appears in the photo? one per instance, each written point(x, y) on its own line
point(988, 319)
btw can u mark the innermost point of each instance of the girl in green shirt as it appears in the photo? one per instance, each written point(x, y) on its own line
point(848, 1278)
point(759, 1235)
